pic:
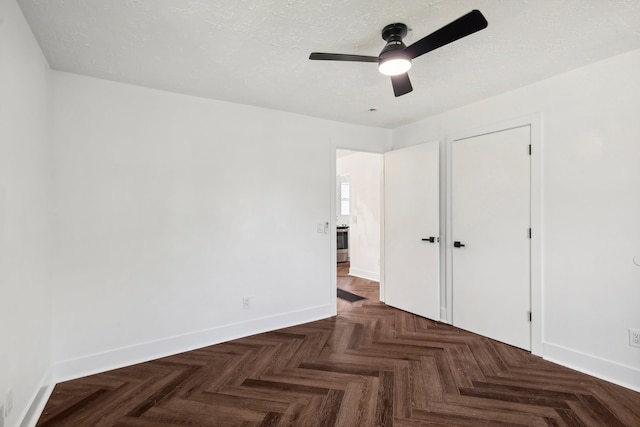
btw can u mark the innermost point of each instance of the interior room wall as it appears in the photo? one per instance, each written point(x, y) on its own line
point(365, 172)
point(171, 209)
point(25, 298)
point(590, 207)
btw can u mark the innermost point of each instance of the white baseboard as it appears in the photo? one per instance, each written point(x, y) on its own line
point(364, 274)
point(625, 376)
point(117, 358)
point(31, 415)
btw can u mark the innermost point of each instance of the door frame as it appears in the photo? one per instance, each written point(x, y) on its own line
point(535, 123)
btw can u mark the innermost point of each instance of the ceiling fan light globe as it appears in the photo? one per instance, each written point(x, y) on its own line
point(394, 66)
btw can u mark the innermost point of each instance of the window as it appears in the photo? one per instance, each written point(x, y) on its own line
point(344, 195)
point(344, 198)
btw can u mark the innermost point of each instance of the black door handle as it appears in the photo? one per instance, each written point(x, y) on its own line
point(458, 245)
point(429, 239)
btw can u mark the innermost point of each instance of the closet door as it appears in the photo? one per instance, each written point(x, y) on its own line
point(490, 183)
point(411, 229)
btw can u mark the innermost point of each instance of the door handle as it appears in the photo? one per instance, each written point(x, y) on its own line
point(431, 239)
point(458, 245)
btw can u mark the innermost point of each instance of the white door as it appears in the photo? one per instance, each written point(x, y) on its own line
point(490, 222)
point(411, 229)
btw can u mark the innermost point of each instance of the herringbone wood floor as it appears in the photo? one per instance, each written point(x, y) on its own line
point(371, 365)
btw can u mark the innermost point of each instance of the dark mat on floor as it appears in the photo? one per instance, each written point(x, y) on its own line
point(348, 296)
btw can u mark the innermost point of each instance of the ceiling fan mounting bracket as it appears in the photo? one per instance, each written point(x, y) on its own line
point(394, 32)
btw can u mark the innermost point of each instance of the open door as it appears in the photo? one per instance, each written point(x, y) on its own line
point(411, 229)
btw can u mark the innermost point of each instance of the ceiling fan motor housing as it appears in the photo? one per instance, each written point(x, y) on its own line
point(394, 49)
point(393, 35)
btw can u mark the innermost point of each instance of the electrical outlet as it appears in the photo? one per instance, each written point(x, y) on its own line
point(634, 337)
point(246, 303)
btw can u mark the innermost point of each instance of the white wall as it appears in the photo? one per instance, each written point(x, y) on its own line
point(365, 171)
point(170, 209)
point(25, 299)
point(590, 207)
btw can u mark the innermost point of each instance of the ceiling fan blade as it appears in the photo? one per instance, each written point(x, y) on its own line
point(461, 27)
point(401, 84)
point(341, 57)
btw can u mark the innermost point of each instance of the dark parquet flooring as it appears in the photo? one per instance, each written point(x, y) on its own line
point(372, 365)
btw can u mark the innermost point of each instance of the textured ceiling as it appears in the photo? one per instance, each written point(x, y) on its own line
point(256, 51)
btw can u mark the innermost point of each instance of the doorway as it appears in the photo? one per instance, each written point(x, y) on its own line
point(358, 219)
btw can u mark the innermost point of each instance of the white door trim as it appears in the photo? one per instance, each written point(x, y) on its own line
point(535, 122)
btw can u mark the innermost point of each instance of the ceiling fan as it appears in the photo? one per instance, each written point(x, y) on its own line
point(395, 58)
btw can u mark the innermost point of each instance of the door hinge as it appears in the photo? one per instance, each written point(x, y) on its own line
point(529, 149)
point(529, 316)
point(529, 232)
